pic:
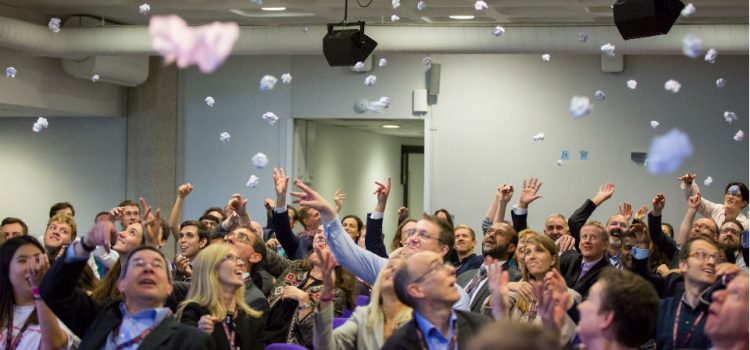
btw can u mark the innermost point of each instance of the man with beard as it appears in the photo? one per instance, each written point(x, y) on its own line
point(581, 270)
point(729, 242)
point(727, 322)
point(498, 245)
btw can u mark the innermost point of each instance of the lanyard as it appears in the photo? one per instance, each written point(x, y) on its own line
point(10, 342)
point(230, 335)
point(423, 344)
point(692, 328)
point(137, 339)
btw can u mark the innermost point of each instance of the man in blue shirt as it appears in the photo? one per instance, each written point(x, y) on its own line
point(428, 285)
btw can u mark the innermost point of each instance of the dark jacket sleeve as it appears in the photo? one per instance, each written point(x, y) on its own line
point(640, 267)
point(280, 225)
point(665, 244)
point(71, 305)
point(374, 236)
point(192, 314)
point(578, 219)
point(520, 222)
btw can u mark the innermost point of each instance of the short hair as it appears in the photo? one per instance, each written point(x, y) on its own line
point(65, 219)
point(302, 214)
point(603, 233)
point(511, 235)
point(209, 218)
point(634, 303)
point(259, 246)
point(60, 206)
point(220, 210)
point(100, 214)
point(126, 264)
point(129, 203)
point(165, 230)
point(559, 216)
point(202, 228)
point(401, 281)
point(671, 229)
point(514, 335)
point(294, 211)
point(447, 215)
point(733, 221)
point(466, 227)
point(396, 242)
point(687, 248)
point(12, 220)
point(446, 237)
point(743, 189)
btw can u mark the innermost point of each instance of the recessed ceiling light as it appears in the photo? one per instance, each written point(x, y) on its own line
point(390, 126)
point(273, 8)
point(464, 17)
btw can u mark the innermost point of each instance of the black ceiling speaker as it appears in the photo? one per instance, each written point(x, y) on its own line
point(346, 47)
point(642, 18)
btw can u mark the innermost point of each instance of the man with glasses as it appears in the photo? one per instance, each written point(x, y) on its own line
point(681, 314)
point(727, 322)
point(252, 251)
point(581, 270)
point(735, 200)
point(426, 283)
point(499, 245)
point(431, 234)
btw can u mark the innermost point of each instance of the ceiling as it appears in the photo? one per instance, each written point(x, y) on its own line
point(317, 12)
point(409, 127)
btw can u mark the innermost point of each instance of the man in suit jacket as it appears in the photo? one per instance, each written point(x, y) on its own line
point(498, 245)
point(581, 270)
point(427, 284)
point(140, 320)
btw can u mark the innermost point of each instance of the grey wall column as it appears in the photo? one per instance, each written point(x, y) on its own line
point(152, 137)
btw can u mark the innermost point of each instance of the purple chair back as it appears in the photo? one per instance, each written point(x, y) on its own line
point(283, 346)
point(363, 300)
point(337, 321)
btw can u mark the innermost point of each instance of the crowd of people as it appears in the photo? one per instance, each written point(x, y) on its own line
point(314, 279)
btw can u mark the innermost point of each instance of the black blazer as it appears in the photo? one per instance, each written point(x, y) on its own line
point(94, 323)
point(570, 268)
point(406, 338)
point(249, 330)
point(484, 291)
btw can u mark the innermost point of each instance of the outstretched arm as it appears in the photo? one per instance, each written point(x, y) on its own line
point(661, 241)
point(579, 217)
point(374, 234)
point(280, 216)
point(520, 212)
point(687, 221)
point(503, 195)
point(176, 215)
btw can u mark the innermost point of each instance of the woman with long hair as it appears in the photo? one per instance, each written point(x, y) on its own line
point(216, 300)
point(25, 320)
point(369, 326)
point(540, 258)
point(297, 291)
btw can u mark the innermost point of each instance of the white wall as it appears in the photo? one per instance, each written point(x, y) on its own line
point(79, 160)
point(490, 106)
point(352, 160)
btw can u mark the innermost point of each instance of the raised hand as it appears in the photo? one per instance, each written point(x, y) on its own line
point(294, 293)
point(280, 181)
point(382, 191)
point(328, 263)
point(184, 190)
point(687, 178)
point(38, 266)
point(497, 280)
point(207, 322)
point(338, 199)
point(151, 224)
point(272, 244)
point(694, 202)
point(238, 204)
point(565, 243)
point(658, 202)
point(504, 193)
point(605, 192)
point(182, 265)
point(530, 192)
point(641, 213)
point(308, 197)
point(101, 234)
point(626, 210)
point(553, 298)
point(403, 214)
point(116, 213)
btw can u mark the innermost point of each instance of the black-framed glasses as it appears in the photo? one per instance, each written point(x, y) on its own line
point(434, 267)
point(422, 235)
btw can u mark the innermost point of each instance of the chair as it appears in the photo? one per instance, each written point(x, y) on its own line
point(284, 346)
point(363, 300)
point(337, 321)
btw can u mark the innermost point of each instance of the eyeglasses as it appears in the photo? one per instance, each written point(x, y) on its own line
point(435, 267)
point(423, 235)
point(234, 258)
point(320, 241)
point(240, 237)
point(141, 263)
point(733, 231)
point(706, 257)
point(703, 227)
point(594, 237)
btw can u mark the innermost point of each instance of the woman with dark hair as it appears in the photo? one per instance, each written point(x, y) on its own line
point(444, 215)
point(402, 233)
point(353, 226)
point(26, 321)
point(216, 300)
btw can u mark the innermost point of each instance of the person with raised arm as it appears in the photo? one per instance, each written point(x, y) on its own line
point(735, 200)
point(430, 234)
point(296, 247)
point(175, 217)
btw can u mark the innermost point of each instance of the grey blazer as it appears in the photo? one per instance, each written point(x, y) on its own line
point(352, 335)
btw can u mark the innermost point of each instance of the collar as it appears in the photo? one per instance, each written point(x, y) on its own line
point(155, 314)
point(501, 262)
point(590, 264)
point(429, 330)
point(470, 256)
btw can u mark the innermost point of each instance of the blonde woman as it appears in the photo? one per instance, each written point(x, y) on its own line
point(216, 303)
point(369, 326)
